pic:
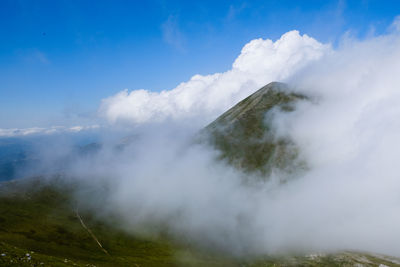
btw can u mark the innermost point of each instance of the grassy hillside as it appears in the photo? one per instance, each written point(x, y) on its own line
point(244, 134)
point(41, 220)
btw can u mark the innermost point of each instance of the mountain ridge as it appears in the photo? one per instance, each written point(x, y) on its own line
point(244, 135)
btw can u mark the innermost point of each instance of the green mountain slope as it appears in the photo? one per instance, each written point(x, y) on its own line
point(244, 134)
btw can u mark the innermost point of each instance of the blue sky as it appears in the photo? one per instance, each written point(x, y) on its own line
point(58, 59)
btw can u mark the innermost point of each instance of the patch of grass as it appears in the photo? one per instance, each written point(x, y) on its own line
point(42, 219)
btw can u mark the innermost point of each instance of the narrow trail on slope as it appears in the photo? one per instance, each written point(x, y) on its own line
point(90, 232)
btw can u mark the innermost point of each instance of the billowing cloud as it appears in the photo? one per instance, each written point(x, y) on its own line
point(204, 97)
point(349, 138)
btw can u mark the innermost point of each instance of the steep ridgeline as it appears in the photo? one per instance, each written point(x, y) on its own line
point(244, 134)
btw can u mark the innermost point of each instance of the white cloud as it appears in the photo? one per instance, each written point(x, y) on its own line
point(350, 140)
point(17, 132)
point(205, 97)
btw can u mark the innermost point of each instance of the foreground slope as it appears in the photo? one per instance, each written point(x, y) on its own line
point(39, 223)
point(39, 226)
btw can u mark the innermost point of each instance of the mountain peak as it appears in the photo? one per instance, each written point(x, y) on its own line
point(244, 135)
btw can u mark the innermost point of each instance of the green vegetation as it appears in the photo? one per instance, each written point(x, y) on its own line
point(40, 219)
point(244, 135)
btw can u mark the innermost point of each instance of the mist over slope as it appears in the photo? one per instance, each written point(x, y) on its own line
point(347, 134)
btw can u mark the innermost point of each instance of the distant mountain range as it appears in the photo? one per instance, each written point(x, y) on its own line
point(18, 157)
